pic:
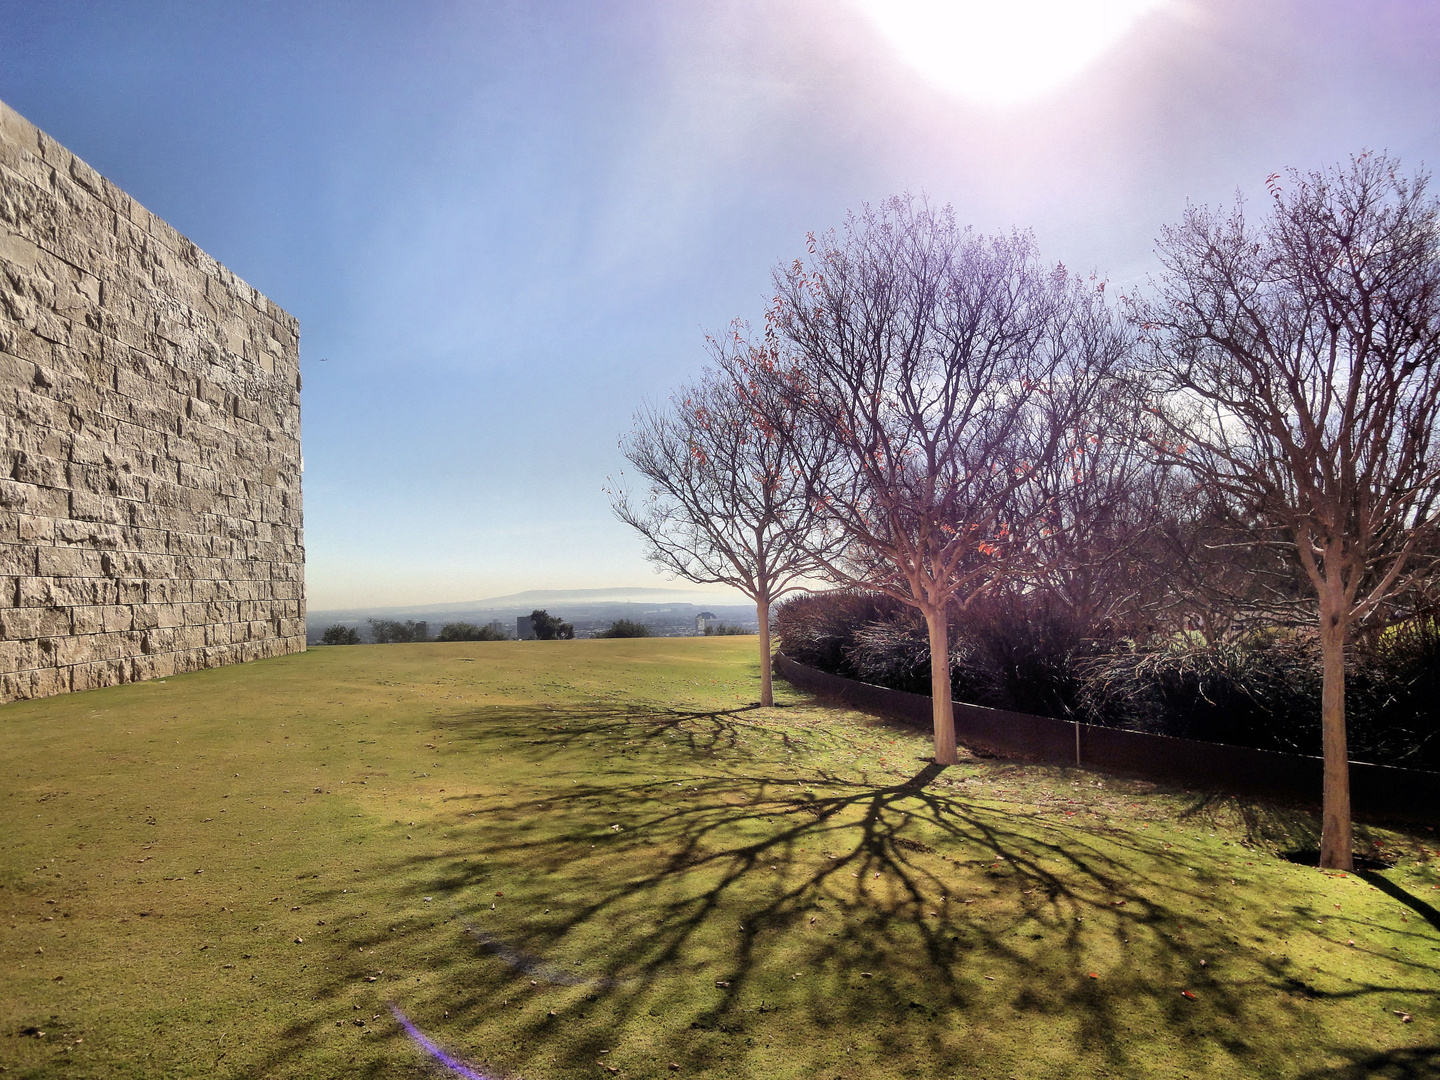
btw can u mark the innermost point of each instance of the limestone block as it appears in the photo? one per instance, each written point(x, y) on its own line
point(86, 621)
point(72, 592)
point(156, 541)
point(129, 591)
point(34, 622)
point(72, 649)
point(20, 655)
point(157, 641)
point(97, 675)
point(190, 636)
point(69, 562)
point(85, 506)
point(17, 560)
point(94, 479)
point(46, 681)
point(15, 495)
point(34, 529)
point(30, 468)
point(146, 516)
point(90, 534)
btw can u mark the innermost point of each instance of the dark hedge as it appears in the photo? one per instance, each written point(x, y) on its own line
point(1023, 654)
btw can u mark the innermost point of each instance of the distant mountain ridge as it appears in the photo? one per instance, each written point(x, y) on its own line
point(620, 595)
point(524, 602)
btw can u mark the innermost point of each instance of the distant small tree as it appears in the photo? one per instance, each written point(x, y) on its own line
point(725, 630)
point(339, 634)
point(396, 632)
point(729, 480)
point(464, 631)
point(550, 627)
point(625, 628)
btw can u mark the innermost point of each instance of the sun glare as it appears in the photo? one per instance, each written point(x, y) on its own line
point(1003, 51)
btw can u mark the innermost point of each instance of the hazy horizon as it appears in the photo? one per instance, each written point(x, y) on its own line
point(540, 597)
point(504, 226)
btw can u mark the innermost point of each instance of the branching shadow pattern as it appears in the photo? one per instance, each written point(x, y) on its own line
point(675, 879)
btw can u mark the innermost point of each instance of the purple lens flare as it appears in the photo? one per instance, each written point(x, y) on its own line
point(440, 1055)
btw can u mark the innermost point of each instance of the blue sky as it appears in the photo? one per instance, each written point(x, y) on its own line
point(504, 224)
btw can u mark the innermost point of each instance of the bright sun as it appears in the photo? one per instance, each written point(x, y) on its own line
point(1003, 51)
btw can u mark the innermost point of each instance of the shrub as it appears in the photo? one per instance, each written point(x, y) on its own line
point(816, 629)
point(464, 631)
point(340, 634)
point(1262, 690)
point(549, 627)
point(625, 628)
point(725, 630)
point(395, 632)
point(1006, 653)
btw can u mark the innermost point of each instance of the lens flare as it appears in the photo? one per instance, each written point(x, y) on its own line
point(452, 1063)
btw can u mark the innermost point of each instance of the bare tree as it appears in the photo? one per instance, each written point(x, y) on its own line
point(1210, 569)
point(1298, 368)
point(946, 370)
point(1096, 510)
point(728, 499)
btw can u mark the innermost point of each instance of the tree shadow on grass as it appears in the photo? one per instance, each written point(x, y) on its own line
point(698, 902)
point(1407, 1063)
point(1397, 892)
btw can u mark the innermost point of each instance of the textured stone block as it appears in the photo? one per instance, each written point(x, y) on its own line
point(34, 622)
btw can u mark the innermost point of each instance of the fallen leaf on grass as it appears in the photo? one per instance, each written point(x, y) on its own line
point(1188, 994)
point(1094, 974)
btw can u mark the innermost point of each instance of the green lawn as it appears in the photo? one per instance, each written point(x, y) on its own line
point(595, 858)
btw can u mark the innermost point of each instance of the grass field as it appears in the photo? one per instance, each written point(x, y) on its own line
point(596, 858)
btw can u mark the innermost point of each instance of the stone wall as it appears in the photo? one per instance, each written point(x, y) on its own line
point(150, 514)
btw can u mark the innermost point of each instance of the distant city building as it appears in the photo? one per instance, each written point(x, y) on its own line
point(422, 631)
point(498, 626)
point(524, 628)
point(702, 621)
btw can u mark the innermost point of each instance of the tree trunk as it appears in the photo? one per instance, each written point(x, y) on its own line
point(944, 709)
point(767, 682)
point(1336, 845)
